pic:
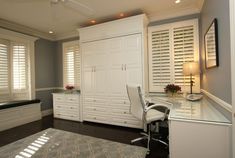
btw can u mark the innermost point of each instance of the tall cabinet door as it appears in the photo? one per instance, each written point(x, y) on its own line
point(100, 68)
point(116, 74)
point(133, 59)
point(88, 68)
point(88, 81)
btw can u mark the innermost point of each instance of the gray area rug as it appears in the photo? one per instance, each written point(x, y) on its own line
point(53, 143)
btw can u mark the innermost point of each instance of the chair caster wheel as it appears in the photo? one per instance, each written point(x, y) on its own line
point(148, 152)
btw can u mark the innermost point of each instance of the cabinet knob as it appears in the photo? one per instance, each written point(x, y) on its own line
point(95, 118)
point(125, 122)
point(124, 112)
point(95, 109)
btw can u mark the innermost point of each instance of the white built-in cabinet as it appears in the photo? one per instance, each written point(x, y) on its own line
point(109, 63)
point(66, 106)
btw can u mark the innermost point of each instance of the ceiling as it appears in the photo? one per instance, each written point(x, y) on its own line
point(38, 15)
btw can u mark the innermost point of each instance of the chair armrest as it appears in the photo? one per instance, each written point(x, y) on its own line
point(155, 105)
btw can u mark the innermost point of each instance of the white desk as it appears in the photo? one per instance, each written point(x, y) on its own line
point(197, 129)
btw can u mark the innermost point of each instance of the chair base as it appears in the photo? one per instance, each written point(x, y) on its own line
point(144, 137)
point(147, 137)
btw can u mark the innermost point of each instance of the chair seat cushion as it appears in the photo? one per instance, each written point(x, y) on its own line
point(154, 115)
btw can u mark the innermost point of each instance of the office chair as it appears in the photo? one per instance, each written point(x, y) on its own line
point(140, 109)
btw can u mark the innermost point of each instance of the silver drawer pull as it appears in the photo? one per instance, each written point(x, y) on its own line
point(95, 118)
point(125, 122)
point(124, 112)
point(124, 102)
point(95, 109)
point(71, 107)
point(94, 100)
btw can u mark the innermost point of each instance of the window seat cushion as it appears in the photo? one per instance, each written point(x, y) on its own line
point(12, 104)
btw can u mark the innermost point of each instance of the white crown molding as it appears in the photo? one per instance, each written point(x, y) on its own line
point(70, 34)
point(173, 14)
point(24, 29)
point(219, 101)
point(47, 112)
point(47, 89)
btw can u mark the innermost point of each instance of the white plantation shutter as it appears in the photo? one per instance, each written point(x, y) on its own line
point(160, 59)
point(170, 46)
point(183, 52)
point(20, 66)
point(4, 70)
point(71, 62)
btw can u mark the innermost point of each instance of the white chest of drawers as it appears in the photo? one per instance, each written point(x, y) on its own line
point(66, 106)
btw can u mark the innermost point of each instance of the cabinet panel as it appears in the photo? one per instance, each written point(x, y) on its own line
point(134, 75)
point(100, 81)
point(88, 81)
point(117, 81)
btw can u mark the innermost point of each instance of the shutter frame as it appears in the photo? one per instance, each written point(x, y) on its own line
point(175, 53)
point(74, 77)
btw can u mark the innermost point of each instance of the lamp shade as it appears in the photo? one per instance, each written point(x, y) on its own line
point(191, 68)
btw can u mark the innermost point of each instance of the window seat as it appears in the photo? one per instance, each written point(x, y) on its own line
point(16, 113)
point(11, 104)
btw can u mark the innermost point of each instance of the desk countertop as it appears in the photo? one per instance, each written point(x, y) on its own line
point(198, 111)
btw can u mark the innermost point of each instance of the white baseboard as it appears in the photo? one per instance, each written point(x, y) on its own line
point(219, 101)
point(47, 112)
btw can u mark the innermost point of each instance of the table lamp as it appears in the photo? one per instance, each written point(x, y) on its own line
point(190, 69)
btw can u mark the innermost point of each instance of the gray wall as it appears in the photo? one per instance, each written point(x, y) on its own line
point(217, 81)
point(48, 69)
point(45, 70)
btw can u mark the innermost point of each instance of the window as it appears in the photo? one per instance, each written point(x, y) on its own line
point(71, 63)
point(170, 46)
point(13, 70)
point(16, 66)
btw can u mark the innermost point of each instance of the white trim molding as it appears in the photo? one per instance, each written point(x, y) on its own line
point(47, 112)
point(219, 101)
point(232, 41)
point(48, 89)
point(24, 29)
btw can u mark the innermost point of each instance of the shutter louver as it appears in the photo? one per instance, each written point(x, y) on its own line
point(19, 57)
point(4, 71)
point(183, 52)
point(160, 58)
point(71, 65)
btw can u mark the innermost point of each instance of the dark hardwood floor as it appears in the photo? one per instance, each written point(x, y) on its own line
point(114, 133)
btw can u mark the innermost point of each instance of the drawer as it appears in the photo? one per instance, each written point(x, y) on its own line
point(59, 98)
point(95, 109)
point(66, 111)
point(95, 118)
point(66, 116)
point(120, 111)
point(72, 99)
point(66, 107)
point(125, 122)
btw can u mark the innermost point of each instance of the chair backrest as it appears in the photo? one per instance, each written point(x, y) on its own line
point(136, 100)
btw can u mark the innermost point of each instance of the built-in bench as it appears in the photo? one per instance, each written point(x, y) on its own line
point(17, 113)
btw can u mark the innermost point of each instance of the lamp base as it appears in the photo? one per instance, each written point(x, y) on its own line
point(194, 97)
